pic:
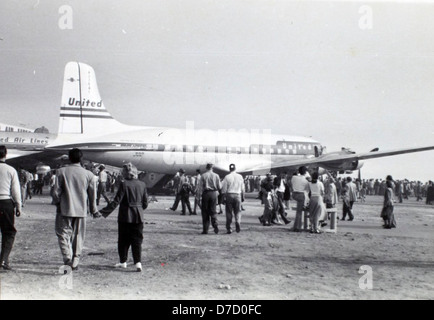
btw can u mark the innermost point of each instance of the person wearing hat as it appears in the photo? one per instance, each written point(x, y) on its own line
point(102, 185)
point(233, 190)
point(210, 186)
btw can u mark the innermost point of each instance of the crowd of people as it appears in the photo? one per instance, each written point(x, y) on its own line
point(403, 189)
point(77, 191)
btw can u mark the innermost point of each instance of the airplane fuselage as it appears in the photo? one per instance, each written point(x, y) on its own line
point(26, 141)
point(166, 150)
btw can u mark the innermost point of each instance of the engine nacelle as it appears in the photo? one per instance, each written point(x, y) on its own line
point(343, 166)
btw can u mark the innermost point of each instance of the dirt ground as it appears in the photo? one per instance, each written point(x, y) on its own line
point(268, 263)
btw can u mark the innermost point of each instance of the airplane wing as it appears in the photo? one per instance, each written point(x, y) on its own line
point(29, 160)
point(343, 160)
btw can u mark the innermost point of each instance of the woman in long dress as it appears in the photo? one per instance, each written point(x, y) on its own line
point(317, 209)
point(387, 211)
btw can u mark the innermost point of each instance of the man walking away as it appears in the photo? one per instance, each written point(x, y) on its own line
point(197, 194)
point(349, 196)
point(281, 187)
point(210, 186)
point(24, 179)
point(185, 196)
point(10, 200)
point(233, 190)
point(74, 190)
point(176, 180)
point(102, 185)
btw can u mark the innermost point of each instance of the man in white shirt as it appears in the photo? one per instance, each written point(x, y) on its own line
point(300, 187)
point(10, 200)
point(102, 185)
point(281, 186)
point(233, 190)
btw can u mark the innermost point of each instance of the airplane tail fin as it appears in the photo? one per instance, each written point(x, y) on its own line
point(82, 109)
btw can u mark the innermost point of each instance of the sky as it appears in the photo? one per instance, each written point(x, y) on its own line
point(346, 73)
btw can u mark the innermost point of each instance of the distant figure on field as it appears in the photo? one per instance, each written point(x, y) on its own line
point(282, 193)
point(176, 185)
point(300, 187)
point(102, 185)
point(317, 209)
point(197, 195)
point(349, 196)
point(387, 211)
point(430, 193)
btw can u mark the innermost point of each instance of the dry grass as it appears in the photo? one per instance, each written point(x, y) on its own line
point(268, 263)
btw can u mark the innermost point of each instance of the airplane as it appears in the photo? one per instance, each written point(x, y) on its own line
point(27, 150)
point(85, 123)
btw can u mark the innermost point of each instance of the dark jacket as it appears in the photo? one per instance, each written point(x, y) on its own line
point(185, 189)
point(132, 199)
point(267, 185)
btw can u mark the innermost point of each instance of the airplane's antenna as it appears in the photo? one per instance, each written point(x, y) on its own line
point(81, 105)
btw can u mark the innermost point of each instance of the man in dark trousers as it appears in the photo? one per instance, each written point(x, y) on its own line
point(177, 187)
point(233, 190)
point(102, 185)
point(10, 201)
point(185, 195)
point(210, 187)
point(197, 202)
